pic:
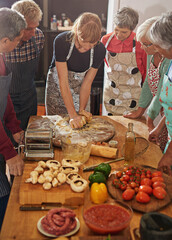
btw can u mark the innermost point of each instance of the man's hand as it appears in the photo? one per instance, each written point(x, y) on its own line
point(19, 137)
point(16, 165)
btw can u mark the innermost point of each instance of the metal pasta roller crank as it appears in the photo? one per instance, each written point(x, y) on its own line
point(38, 143)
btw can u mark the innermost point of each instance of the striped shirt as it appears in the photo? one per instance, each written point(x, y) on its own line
point(26, 51)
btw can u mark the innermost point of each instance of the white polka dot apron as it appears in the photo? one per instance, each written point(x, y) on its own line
point(123, 84)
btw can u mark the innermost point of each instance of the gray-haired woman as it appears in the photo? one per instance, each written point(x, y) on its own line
point(126, 65)
point(161, 37)
point(157, 66)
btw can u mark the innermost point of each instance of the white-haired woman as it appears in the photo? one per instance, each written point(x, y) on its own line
point(157, 66)
point(161, 37)
point(126, 63)
point(77, 56)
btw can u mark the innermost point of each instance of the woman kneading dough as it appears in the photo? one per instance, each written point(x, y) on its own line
point(77, 56)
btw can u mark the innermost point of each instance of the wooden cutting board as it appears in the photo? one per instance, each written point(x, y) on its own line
point(154, 205)
point(99, 129)
point(35, 194)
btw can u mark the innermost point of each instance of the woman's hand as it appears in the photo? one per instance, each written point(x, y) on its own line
point(77, 122)
point(150, 124)
point(135, 114)
point(88, 115)
point(165, 163)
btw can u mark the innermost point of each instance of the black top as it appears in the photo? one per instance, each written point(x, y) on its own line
point(78, 62)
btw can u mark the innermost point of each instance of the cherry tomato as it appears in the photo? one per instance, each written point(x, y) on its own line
point(157, 179)
point(133, 184)
point(148, 175)
point(128, 172)
point(159, 192)
point(157, 174)
point(123, 186)
point(142, 197)
point(116, 183)
point(136, 189)
point(119, 174)
point(146, 181)
point(128, 194)
point(158, 184)
point(126, 178)
point(125, 169)
point(145, 188)
point(148, 172)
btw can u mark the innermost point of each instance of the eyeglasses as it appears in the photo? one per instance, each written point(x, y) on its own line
point(146, 45)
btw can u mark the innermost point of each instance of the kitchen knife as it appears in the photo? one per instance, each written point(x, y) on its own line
point(91, 168)
point(43, 207)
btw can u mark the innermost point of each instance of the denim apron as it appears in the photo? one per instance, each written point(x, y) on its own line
point(4, 91)
point(23, 90)
point(166, 102)
point(123, 84)
point(53, 100)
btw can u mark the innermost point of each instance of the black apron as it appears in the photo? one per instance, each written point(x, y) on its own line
point(4, 90)
point(23, 90)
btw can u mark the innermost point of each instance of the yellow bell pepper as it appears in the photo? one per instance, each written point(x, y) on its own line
point(98, 193)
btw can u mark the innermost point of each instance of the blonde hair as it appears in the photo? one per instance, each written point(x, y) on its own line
point(88, 27)
point(29, 9)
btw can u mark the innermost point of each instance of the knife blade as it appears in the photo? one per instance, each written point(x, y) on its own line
point(91, 168)
point(43, 207)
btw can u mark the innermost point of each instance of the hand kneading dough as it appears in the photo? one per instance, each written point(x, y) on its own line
point(103, 151)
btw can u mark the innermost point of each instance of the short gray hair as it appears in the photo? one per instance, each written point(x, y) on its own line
point(11, 23)
point(126, 18)
point(29, 9)
point(161, 31)
point(143, 29)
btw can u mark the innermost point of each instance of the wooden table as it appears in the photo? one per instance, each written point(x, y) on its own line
point(22, 225)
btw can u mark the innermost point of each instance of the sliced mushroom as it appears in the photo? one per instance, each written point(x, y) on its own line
point(68, 170)
point(53, 164)
point(42, 164)
point(70, 163)
point(72, 176)
point(78, 185)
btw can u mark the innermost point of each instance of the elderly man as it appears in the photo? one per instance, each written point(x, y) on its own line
point(23, 62)
point(12, 25)
point(161, 37)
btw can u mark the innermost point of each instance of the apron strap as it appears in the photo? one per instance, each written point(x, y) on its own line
point(107, 43)
point(71, 49)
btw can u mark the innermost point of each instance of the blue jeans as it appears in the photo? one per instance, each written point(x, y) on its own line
point(3, 206)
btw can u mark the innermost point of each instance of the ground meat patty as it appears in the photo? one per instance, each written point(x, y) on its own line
point(59, 221)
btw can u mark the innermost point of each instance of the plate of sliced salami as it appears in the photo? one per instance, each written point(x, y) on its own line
point(58, 222)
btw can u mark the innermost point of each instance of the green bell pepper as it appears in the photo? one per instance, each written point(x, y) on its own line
point(105, 168)
point(97, 177)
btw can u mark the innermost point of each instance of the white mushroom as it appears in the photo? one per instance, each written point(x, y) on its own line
point(70, 163)
point(68, 170)
point(39, 169)
point(61, 177)
point(78, 185)
point(48, 173)
point(48, 178)
point(47, 185)
point(53, 164)
point(34, 173)
point(55, 173)
point(42, 164)
point(28, 180)
point(41, 179)
point(55, 182)
point(72, 176)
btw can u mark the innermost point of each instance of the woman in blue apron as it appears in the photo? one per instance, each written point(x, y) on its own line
point(126, 65)
point(23, 62)
point(76, 58)
point(8, 41)
point(161, 37)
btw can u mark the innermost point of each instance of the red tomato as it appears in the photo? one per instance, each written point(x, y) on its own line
point(148, 175)
point(123, 186)
point(158, 184)
point(125, 169)
point(157, 179)
point(157, 174)
point(145, 188)
point(126, 178)
point(128, 194)
point(159, 192)
point(128, 172)
point(136, 189)
point(146, 181)
point(142, 197)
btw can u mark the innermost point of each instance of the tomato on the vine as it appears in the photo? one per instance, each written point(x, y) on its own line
point(116, 183)
point(126, 178)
